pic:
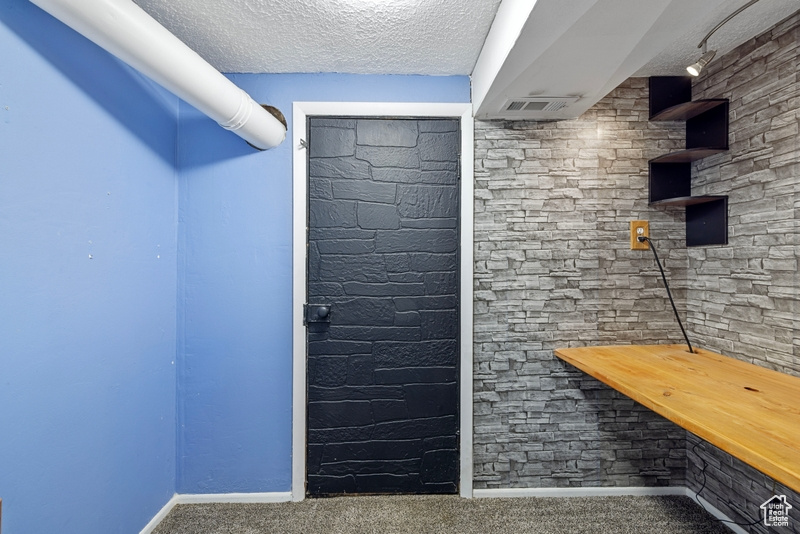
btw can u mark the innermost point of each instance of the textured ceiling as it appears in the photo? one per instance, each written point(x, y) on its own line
point(433, 37)
point(683, 51)
point(588, 50)
point(580, 48)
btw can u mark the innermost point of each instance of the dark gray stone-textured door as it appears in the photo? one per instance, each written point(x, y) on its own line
point(383, 255)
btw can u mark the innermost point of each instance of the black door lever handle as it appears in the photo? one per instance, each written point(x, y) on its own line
point(316, 313)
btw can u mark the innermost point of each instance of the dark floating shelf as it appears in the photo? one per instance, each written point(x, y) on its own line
point(687, 201)
point(707, 223)
point(670, 175)
point(687, 110)
point(687, 156)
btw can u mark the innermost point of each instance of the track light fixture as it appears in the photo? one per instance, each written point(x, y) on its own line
point(695, 68)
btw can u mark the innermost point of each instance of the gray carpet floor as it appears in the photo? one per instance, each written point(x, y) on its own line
point(430, 514)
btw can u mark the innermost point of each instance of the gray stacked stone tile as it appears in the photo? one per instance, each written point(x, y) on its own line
point(743, 297)
point(553, 201)
point(735, 488)
point(553, 269)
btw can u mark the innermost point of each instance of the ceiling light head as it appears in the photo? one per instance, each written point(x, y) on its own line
point(695, 68)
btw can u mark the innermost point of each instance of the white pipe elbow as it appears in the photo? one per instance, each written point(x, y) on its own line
point(128, 32)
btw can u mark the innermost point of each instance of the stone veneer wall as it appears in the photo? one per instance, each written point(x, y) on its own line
point(553, 201)
point(735, 488)
point(552, 205)
point(743, 298)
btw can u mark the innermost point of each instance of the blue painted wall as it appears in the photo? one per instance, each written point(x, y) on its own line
point(87, 284)
point(145, 282)
point(235, 250)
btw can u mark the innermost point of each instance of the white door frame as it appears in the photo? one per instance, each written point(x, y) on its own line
point(300, 112)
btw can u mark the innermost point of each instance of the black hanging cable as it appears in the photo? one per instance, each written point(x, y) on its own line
point(703, 486)
point(642, 239)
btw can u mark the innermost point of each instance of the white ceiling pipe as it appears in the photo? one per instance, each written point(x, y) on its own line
point(127, 31)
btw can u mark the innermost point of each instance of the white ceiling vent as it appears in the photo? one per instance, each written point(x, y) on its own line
point(534, 107)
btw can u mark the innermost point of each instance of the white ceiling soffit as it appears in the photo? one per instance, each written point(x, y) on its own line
point(582, 48)
point(683, 50)
point(585, 48)
point(431, 37)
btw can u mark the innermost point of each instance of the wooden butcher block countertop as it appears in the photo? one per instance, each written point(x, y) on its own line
point(750, 412)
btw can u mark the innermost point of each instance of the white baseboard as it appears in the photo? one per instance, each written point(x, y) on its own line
point(713, 510)
point(576, 492)
point(204, 498)
point(495, 493)
point(608, 492)
point(151, 526)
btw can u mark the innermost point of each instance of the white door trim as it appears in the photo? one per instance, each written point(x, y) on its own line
point(300, 112)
